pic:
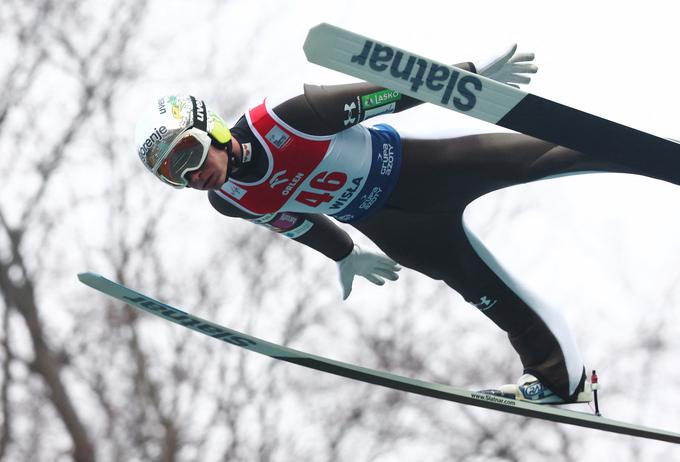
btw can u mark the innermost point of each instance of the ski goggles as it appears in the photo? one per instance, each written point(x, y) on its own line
point(186, 154)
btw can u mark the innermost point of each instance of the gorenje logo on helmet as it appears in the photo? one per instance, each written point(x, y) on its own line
point(155, 137)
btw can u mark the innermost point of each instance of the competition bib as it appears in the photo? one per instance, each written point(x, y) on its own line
point(306, 173)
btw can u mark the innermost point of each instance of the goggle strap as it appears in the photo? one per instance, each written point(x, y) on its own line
point(200, 114)
point(215, 142)
point(232, 162)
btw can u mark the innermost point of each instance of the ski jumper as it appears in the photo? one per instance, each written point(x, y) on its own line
point(419, 221)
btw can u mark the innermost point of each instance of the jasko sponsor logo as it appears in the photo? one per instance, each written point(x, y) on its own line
point(460, 91)
point(380, 98)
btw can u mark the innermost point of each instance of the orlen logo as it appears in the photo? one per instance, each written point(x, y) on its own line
point(277, 179)
point(156, 136)
point(289, 187)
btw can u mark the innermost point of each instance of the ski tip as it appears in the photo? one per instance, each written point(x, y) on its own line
point(308, 47)
point(321, 25)
point(87, 277)
point(316, 40)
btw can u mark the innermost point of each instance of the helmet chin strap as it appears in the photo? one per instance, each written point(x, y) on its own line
point(233, 161)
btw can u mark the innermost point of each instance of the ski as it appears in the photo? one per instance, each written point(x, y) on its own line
point(363, 374)
point(482, 98)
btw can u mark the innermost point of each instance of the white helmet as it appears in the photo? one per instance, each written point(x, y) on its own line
point(161, 127)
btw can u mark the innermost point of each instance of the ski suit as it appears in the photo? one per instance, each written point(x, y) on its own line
point(309, 158)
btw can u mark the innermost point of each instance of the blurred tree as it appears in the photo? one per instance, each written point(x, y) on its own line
point(49, 68)
point(82, 378)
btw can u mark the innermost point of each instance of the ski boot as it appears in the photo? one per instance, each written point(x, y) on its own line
point(529, 388)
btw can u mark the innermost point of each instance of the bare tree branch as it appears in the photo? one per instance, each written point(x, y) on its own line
point(6, 377)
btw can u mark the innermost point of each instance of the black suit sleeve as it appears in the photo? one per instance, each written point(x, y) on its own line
point(313, 230)
point(329, 109)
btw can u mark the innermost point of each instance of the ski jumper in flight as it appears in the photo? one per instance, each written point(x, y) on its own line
point(292, 167)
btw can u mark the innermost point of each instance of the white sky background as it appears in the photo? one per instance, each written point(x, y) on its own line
point(600, 246)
